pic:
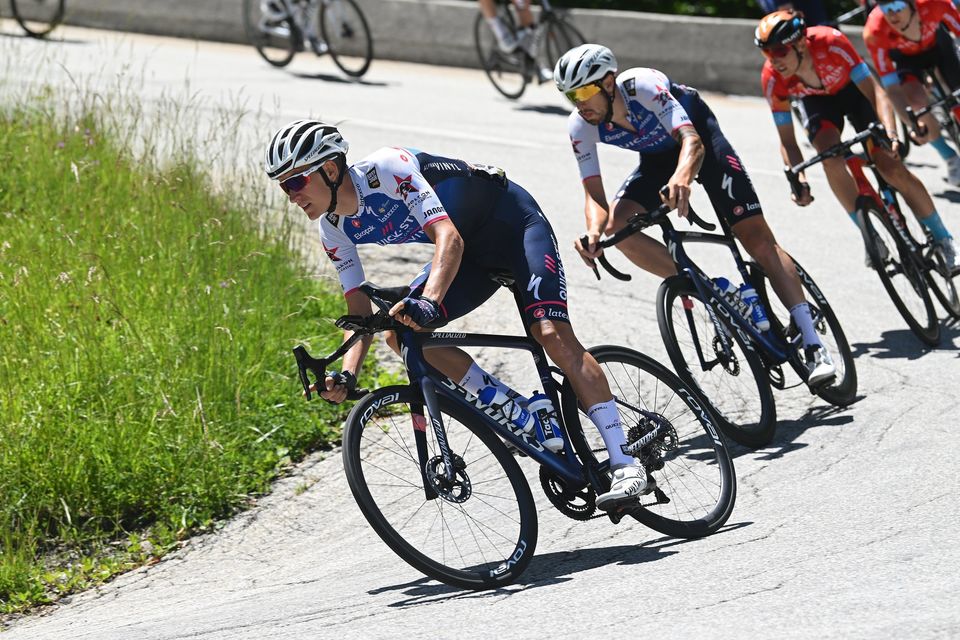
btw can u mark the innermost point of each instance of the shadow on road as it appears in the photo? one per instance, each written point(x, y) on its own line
point(788, 431)
point(547, 569)
point(901, 343)
point(325, 77)
point(52, 40)
point(545, 109)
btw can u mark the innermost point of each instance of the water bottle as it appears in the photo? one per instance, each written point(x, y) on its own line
point(510, 407)
point(749, 295)
point(727, 288)
point(545, 418)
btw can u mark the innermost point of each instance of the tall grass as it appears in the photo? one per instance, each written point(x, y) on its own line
point(146, 382)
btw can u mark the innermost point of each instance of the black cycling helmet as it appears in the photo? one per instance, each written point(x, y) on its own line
point(780, 28)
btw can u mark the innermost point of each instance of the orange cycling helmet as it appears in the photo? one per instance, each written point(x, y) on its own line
point(779, 28)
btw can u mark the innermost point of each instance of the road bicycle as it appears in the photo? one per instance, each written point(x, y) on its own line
point(510, 73)
point(908, 268)
point(428, 467)
point(714, 343)
point(280, 28)
point(942, 105)
point(38, 17)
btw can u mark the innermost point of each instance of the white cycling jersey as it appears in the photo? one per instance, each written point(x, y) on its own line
point(396, 203)
point(652, 110)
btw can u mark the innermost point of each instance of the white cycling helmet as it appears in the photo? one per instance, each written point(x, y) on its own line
point(302, 143)
point(583, 65)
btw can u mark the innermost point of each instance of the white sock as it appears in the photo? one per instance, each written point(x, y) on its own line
point(477, 379)
point(499, 29)
point(607, 419)
point(801, 315)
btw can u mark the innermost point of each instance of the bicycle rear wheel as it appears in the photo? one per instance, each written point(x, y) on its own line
point(38, 17)
point(844, 389)
point(505, 70)
point(347, 34)
point(736, 383)
point(479, 532)
point(696, 483)
point(942, 283)
point(904, 281)
point(276, 40)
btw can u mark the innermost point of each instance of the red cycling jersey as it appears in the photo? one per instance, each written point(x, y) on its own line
point(881, 38)
point(835, 61)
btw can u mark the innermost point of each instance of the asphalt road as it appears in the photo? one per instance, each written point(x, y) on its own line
point(842, 526)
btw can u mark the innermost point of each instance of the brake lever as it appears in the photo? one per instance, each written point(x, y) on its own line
point(585, 243)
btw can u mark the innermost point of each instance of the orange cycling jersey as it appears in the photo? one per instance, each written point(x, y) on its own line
point(881, 38)
point(835, 61)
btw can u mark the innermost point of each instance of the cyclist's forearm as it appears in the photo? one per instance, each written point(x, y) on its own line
point(691, 155)
point(596, 217)
point(353, 359)
point(443, 269)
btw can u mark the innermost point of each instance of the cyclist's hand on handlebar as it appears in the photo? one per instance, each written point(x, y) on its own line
point(677, 195)
point(336, 388)
point(806, 196)
point(591, 251)
point(920, 135)
point(416, 313)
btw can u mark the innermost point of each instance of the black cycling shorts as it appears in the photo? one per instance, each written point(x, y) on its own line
point(818, 112)
point(942, 56)
point(516, 239)
point(722, 174)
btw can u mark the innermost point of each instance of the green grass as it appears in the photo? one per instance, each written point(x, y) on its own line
point(146, 382)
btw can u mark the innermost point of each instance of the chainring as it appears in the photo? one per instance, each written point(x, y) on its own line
point(578, 505)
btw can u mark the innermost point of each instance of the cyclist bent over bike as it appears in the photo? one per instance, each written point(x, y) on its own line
point(819, 66)
point(679, 140)
point(905, 38)
point(478, 220)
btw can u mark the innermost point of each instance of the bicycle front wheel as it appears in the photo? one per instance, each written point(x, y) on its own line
point(843, 390)
point(275, 39)
point(347, 34)
point(505, 70)
point(38, 17)
point(561, 37)
point(696, 484)
point(733, 379)
point(478, 531)
point(904, 281)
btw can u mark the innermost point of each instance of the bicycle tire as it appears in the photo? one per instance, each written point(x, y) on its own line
point(504, 70)
point(843, 391)
point(279, 45)
point(699, 464)
point(353, 39)
point(944, 286)
point(753, 428)
point(891, 258)
point(38, 21)
point(905, 144)
point(386, 480)
point(561, 36)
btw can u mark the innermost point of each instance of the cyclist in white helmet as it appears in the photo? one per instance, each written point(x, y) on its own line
point(478, 221)
point(679, 141)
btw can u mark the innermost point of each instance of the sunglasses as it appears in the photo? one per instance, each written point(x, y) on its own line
point(296, 183)
point(777, 51)
point(893, 7)
point(583, 93)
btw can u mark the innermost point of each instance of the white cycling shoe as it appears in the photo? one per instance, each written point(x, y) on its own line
point(820, 368)
point(948, 250)
point(953, 171)
point(629, 483)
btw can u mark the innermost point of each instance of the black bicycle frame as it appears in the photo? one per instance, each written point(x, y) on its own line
point(775, 348)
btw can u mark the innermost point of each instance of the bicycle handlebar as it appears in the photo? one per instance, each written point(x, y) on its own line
point(383, 298)
point(950, 100)
point(876, 130)
point(636, 223)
